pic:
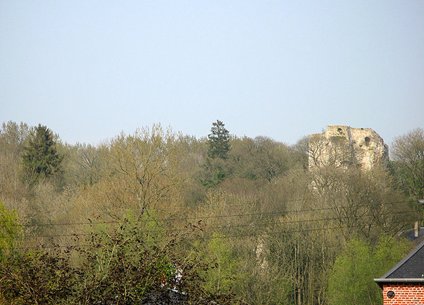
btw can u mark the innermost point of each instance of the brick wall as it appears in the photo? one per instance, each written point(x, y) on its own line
point(405, 294)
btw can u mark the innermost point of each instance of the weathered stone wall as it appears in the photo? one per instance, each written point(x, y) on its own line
point(344, 146)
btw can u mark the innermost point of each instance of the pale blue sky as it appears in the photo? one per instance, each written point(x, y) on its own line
point(283, 69)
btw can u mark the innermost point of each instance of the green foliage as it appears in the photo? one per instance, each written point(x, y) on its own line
point(351, 281)
point(123, 265)
point(270, 230)
point(143, 167)
point(408, 165)
point(268, 287)
point(37, 278)
point(219, 141)
point(221, 278)
point(388, 252)
point(365, 203)
point(41, 158)
point(84, 164)
point(9, 231)
point(216, 167)
point(118, 266)
point(260, 158)
point(214, 172)
point(12, 138)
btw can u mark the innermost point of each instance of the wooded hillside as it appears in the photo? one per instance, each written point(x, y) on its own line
point(157, 216)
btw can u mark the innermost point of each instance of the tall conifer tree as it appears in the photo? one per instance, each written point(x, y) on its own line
point(41, 158)
point(219, 141)
point(216, 167)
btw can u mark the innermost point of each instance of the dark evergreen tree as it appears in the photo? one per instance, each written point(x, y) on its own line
point(219, 141)
point(41, 158)
point(216, 165)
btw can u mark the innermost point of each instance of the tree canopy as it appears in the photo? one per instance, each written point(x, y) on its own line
point(357, 266)
point(244, 218)
point(408, 155)
point(9, 230)
point(41, 158)
point(219, 141)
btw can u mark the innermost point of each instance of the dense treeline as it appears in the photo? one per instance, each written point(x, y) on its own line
point(157, 216)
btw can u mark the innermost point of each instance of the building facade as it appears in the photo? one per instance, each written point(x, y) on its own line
point(404, 283)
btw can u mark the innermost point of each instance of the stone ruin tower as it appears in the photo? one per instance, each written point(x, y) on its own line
point(344, 146)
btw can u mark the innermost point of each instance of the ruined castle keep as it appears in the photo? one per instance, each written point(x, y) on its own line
point(344, 146)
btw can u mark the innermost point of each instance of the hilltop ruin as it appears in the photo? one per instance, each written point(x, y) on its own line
point(344, 146)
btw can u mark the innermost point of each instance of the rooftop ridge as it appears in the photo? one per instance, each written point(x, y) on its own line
point(386, 277)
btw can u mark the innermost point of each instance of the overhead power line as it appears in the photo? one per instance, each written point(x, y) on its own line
point(202, 217)
point(253, 225)
point(224, 236)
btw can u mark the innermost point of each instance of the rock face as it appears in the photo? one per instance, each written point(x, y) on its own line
point(344, 146)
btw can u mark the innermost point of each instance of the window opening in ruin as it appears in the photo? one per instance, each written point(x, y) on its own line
point(367, 140)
